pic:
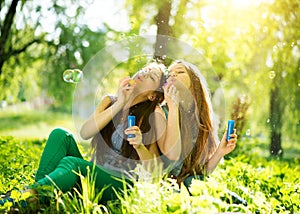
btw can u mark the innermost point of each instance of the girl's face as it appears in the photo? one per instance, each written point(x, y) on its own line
point(179, 73)
point(147, 79)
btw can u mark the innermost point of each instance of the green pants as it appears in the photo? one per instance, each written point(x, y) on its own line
point(61, 157)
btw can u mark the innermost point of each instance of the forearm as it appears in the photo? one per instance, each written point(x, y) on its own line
point(98, 121)
point(144, 153)
point(172, 143)
point(213, 162)
point(223, 149)
point(149, 160)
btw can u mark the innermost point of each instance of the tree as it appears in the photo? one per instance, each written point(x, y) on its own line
point(240, 44)
point(284, 57)
point(7, 48)
point(16, 79)
point(162, 22)
point(32, 60)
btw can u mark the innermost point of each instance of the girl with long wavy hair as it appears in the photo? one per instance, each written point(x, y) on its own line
point(191, 140)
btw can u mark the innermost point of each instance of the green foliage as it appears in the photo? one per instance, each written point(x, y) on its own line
point(84, 200)
point(268, 185)
point(19, 159)
point(23, 120)
point(238, 42)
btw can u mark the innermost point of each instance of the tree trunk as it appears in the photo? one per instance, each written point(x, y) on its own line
point(163, 28)
point(275, 120)
point(5, 32)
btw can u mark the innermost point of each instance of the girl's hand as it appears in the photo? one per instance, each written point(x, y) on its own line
point(171, 94)
point(125, 90)
point(226, 147)
point(136, 141)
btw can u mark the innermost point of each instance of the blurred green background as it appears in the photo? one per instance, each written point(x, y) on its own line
point(253, 47)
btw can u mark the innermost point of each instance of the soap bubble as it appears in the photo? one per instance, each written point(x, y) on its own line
point(67, 75)
point(72, 75)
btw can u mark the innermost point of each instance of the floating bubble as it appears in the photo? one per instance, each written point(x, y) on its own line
point(72, 75)
point(272, 74)
point(67, 75)
point(77, 75)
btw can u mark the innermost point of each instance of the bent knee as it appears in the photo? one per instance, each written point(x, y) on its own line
point(59, 132)
point(72, 163)
point(69, 162)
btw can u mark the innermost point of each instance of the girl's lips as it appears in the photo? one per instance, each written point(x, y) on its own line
point(171, 79)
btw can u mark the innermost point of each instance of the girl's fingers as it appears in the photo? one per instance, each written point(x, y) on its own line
point(128, 87)
point(132, 129)
point(135, 141)
point(124, 81)
point(167, 87)
point(172, 91)
point(123, 84)
point(233, 136)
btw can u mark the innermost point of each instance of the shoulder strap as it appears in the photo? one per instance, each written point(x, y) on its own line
point(165, 109)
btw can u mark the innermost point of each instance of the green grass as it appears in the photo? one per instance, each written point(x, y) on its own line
point(270, 185)
point(29, 123)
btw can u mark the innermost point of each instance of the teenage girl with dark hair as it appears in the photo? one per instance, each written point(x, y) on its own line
point(115, 154)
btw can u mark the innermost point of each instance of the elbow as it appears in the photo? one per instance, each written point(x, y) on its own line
point(83, 134)
point(173, 153)
point(173, 157)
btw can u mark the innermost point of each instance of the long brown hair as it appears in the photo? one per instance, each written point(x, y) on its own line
point(142, 111)
point(199, 136)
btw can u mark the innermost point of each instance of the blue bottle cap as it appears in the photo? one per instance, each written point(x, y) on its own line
point(131, 122)
point(230, 128)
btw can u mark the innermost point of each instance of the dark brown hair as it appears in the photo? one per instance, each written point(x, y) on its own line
point(141, 111)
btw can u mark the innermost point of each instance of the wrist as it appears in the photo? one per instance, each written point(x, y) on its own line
point(139, 146)
point(118, 105)
point(172, 105)
point(219, 153)
point(173, 109)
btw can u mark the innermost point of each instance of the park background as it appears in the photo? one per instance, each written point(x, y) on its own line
point(252, 46)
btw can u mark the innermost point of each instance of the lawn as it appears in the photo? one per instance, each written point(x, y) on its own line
point(23, 121)
point(268, 185)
